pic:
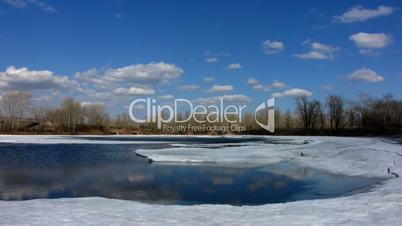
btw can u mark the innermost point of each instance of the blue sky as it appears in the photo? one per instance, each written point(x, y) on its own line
point(111, 51)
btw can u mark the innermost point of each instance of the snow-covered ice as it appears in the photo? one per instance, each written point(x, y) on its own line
point(351, 156)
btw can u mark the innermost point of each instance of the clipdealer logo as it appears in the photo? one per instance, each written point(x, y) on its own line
point(269, 104)
point(198, 117)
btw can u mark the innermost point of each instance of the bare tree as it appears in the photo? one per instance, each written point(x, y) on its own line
point(71, 114)
point(123, 121)
point(40, 113)
point(15, 105)
point(336, 105)
point(95, 115)
point(308, 112)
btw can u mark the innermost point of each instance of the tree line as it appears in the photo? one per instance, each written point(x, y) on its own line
point(335, 115)
point(338, 115)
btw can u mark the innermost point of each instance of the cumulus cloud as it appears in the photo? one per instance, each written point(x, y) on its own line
point(368, 42)
point(272, 47)
point(95, 93)
point(91, 76)
point(188, 87)
point(366, 75)
point(234, 66)
point(166, 97)
point(279, 85)
point(23, 4)
point(261, 87)
point(134, 91)
point(220, 88)
point(318, 51)
point(294, 92)
point(258, 86)
point(134, 79)
point(211, 60)
point(233, 99)
point(25, 79)
point(277, 95)
point(252, 81)
point(209, 79)
point(161, 73)
point(94, 85)
point(359, 14)
point(211, 57)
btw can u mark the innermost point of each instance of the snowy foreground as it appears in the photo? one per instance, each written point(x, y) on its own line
point(351, 156)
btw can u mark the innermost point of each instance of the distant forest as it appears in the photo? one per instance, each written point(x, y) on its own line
point(336, 115)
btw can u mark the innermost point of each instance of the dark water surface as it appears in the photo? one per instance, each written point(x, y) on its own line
point(30, 171)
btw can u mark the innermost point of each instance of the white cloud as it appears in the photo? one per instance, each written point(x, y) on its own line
point(323, 48)
point(103, 95)
point(134, 91)
point(234, 66)
point(161, 73)
point(272, 47)
point(368, 42)
point(128, 80)
point(188, 87)
point(258, 86)
point(313, 55)
point(211, 60)
point(365, 74)
point(252, 81)
point(262, 87)
point(25, 79)
point(106, 85)
point(294, 92)
point(91, 103)
point(277, 95)
point(233, 99)
point(278, 85)
point(23, 4)
point(359, 14)
point(91, 76)
point(318, 52)
point(220, 88)
point(166, 97)
point(209, 79)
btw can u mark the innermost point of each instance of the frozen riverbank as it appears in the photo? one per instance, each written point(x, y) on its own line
point(352, 156)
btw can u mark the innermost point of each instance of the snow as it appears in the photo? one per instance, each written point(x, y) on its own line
point(351, 156)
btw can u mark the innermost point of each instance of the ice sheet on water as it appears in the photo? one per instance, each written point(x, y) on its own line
point(352, 156)
point(355, 156)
